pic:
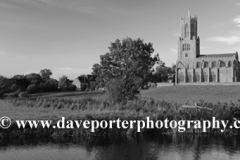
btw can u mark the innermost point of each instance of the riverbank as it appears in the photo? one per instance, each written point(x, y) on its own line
point(100, 109)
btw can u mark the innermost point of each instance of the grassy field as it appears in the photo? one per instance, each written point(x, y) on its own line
point(7, 108)
point(54, 108)
point(25, 112)
point(72, 95)
point(171, 94)
point(175, 94)
point(192, 94)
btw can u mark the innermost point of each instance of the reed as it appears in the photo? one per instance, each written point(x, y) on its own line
point(102, 109)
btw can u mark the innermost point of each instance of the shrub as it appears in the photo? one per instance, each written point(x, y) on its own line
point(22, 94)
point(14, 87)
point(64, 88)
point(1, 94)
point(49, 86)
point(123, 90)
point(114, 90)
point(14, 94)
point(32, 89)
point(83, 87)
point(65, 84)
point(5, 84)
point(72, 87)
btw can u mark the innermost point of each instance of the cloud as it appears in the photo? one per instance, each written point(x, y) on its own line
point(66, 70)
point(31, 71)
point(235, 36)
point(4, 5)
point(3, 53)
point(173, 50)
point(229, 40)
point(35, 2)
point(177, 34)
point(204, 48)
point(237, 20)
point(235, 33)
point(46, 1)
point(85, 6)
point(92, 7)
point(238, 4)
point(219, 25)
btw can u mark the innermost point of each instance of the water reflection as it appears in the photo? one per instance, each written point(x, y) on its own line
point(165, 147)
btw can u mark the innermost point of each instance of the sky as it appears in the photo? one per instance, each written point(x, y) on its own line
point(68, 36)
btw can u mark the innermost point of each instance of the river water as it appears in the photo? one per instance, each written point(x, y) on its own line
point(184, 147)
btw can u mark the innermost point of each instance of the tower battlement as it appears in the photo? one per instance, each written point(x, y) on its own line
point(189, 41)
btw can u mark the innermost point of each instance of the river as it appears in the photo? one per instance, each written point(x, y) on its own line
point(165, 147)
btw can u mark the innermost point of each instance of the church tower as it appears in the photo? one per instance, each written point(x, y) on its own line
point(189, 42)
point(191, 67)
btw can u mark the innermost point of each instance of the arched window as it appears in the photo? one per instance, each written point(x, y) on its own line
point(214, 64)
point(222, 64)
point(205, 76)
point(229, 64)
point(213, 76)
point(186, 55)
point(197, 77)
point(192, 29)
point(186, 30)
point(198, 64)
point(185, 47)
point(205, 64)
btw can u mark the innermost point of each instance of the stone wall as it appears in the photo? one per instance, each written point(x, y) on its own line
point(205, 75)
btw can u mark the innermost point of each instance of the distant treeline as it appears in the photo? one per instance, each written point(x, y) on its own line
point(21, 85)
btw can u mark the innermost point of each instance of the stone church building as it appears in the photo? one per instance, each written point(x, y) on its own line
point(192, 67)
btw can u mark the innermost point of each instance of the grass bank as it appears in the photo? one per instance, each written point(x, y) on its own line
point(171, 94)
point(192, 94)
point(101, 109)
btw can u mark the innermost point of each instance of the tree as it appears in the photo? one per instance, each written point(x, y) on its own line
point(21, 81)
point(32, 88)
point(174, 73)
point(5, 85)
point(163, 73)
point(65, 84)
point(14, 87)
point(97, 72)
point(45, 74)
point(34, 78)
point(173, 68)
point(72, 87)
point(3, 81)
point(130, 62)
point(49, 86)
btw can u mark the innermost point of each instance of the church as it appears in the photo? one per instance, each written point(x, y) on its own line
point(193, 67)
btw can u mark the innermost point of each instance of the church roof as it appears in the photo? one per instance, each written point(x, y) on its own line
point(217, 55)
